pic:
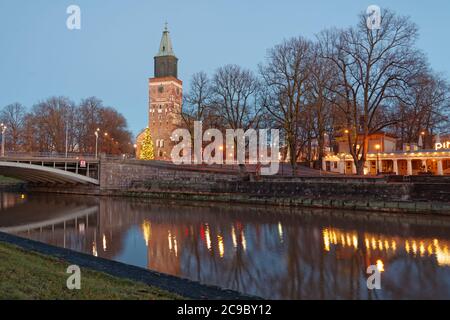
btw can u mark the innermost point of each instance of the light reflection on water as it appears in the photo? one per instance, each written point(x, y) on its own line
point(275, 253)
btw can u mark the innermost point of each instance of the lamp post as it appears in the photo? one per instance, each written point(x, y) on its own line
point(346, 131)
point(135, 151)
point(96, 142)
point(104, 142)
point(377, 147)
point(3, 128)
point(422, 143)
point(345, 163)
point(67, 138)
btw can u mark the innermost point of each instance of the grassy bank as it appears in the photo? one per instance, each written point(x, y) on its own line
point(28, 275)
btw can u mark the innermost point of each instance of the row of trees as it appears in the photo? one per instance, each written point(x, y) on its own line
point(49, 124)
point(353, 82)
point(346, 82)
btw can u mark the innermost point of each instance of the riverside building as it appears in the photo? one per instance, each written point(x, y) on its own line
point(384, 158)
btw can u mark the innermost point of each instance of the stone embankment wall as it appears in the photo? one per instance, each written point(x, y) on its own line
point(143, 179)
point(125, 175)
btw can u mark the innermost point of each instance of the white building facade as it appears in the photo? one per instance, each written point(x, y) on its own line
point(383, 158)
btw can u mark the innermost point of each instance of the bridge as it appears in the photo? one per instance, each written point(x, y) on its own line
point(51, 169)
point(41, 169)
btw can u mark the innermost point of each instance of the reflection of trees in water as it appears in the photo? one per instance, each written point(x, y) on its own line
point(311, 273)
point(271, 252)
point(420, 278)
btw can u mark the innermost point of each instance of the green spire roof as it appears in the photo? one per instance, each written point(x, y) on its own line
point(165, 48)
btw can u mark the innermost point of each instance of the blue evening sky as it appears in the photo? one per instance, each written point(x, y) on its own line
point(111, 57)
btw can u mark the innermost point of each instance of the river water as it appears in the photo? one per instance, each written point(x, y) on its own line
point(278, 253)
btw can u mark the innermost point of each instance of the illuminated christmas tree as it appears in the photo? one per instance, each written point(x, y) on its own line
point(147, 152)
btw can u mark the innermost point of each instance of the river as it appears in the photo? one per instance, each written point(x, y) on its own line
point(271, 252)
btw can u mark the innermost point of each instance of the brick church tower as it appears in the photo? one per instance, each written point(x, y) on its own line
point(165, 99)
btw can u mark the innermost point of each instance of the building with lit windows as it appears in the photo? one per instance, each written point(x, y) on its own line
point(384, 158)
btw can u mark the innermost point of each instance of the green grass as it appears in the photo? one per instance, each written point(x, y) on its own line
point(28, 275)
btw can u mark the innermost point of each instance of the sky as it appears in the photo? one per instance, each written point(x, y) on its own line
point(111, 56)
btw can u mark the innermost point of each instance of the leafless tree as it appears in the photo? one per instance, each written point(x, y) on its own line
point(285, 75)
point(234, 97)
point(88, 121)
point(197, 104)
point(425, 108)
point(13, 117)
point(198, 98)
point(321, 100)
point(118, 140)
point(374, 69)
point(50, 122)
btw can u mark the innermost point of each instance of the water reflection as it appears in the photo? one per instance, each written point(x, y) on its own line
point(274, 253)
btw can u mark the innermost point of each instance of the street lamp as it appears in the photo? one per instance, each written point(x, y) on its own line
point(377, 147)
point(421, 143)
point(135, 150)
point(3, 128)
point(345, 162)
point(96, 142)
point(67, 138)
point(104, 143)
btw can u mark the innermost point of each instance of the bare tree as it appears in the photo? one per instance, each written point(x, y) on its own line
point(234, 93)
point(48, 124)
point(197, 103)
point(425, 108)
point(13, 117)
point(118, 140)
point(56, 119)
point(285, 75)
point(321, 100)
point(88, 121)
point(374, 69)
point(198, 98)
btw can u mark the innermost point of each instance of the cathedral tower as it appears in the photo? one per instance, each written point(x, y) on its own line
point(165, 99)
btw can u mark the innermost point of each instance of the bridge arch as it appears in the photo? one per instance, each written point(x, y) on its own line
point(42, 174)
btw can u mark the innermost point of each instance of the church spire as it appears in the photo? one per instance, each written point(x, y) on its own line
point(165, 47)
point(166, 63)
